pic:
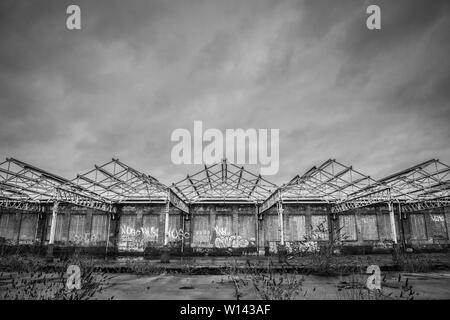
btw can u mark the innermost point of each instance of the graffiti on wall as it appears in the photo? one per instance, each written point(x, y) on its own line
point(222, 239)
point(136, 239)
point(385, 244)
point(139, 238)
point(436, 218)
point(295, 247)
point(146, 234)
point(202, 238)
point(178, 234)
point(84, 239)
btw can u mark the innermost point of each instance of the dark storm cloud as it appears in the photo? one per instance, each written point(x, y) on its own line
point(140, 69)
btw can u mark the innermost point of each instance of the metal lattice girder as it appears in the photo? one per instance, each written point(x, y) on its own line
point(21, 205)
point(31, 185)
point(224, 182)
point(77, 198)
point(425, 205)
point(118, 182)
point(379, 196)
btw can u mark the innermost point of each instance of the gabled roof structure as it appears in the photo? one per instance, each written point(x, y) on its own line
point(224, 182)
point(119, 183)
point(423, 186)
point(330, 182)
point(429, 180)
point(27, 187)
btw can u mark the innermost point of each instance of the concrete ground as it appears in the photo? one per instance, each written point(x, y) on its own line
point(206, 278)
point(217, 287)
point(439, 261)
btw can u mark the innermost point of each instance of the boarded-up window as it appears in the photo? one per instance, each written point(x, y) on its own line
point(369, 228)
point(224, 225)
point(28, 227)
point(7, 221)
point(127, 228)
point(297, 228)
point(150, 228)
point(319, 224)
point(222, 233)
point(418, 231)
point(60, 230)
point(76, 230)
point(447, 220)
point(438, 227)
point(99, 228)
point(271, 230)
point(347, 226)
point(247, 226)
point(202, 231)
point(175, 229)
point(384, 223)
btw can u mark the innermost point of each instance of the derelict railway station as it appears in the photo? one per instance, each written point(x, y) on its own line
point(223, 209)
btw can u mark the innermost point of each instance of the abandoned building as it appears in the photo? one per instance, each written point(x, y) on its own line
point(223, 209)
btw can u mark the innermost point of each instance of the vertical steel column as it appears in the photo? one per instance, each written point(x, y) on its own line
point(401, 226)
point(165, 252)
point(392, 219)
point(52, 231)
point(53, 224)
point(184, 232)
point(166, 221)
point(257, 229)
point(20, 226)
point(107, 232)
point(280, 219)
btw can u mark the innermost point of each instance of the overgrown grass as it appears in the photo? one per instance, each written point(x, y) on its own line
point(411, 262)
point(25, 278)
point(21, 263)
point(267, 283)
point(323, 259)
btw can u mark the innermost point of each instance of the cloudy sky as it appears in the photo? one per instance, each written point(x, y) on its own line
point(137, 70)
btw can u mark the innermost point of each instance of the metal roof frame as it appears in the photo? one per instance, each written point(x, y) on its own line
point(224, 182)
point(422, 186)
point(327, 183)
point(121, 183)
point(26, 187)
